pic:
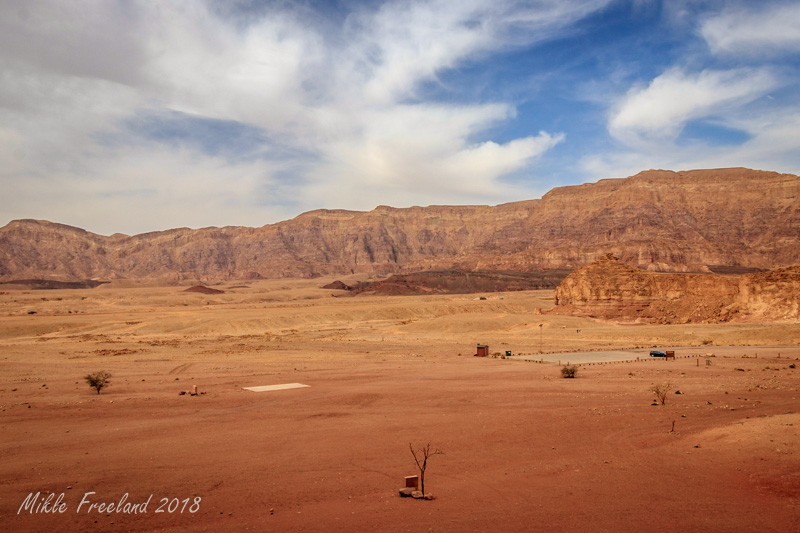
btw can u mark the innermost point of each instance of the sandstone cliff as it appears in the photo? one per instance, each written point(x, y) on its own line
point(773, 295)
point(610, 289)
point(658, 220)
point(664, 221)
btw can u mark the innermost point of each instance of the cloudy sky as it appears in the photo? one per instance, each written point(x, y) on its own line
point(126, 116)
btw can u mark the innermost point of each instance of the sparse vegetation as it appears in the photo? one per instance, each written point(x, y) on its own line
point(98, 380)
point(421, 457)
point(569, 371)
point(661, 390)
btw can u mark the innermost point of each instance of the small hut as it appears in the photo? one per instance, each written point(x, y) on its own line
point(483, 350)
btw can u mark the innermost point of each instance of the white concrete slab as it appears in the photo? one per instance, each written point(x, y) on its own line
point(283, 386)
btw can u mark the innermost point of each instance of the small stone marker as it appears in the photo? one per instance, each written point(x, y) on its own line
point(411, 488)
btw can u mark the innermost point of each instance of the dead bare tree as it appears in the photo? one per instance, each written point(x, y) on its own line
point(424, 453)
point(661, 390)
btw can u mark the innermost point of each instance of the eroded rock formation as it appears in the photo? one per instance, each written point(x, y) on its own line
point(612, 290)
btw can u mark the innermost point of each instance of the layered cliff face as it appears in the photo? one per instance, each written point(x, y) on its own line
point(657, 220)
point(664, 221)
point(610, 289)
point(773, 295)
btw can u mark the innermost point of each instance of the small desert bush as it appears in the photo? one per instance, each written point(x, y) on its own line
point(569, 371)
point(98, 380)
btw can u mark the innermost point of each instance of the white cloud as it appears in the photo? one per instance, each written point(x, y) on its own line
point(200, 65)
point(773, 143)
point(769, 29)
point(347, 98)
point(405, 43)
point(153, 189)
point(484, 163)
point(659, 111)
point(422, 154)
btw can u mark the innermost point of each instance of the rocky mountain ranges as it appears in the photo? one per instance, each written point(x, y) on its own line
point(690, 221)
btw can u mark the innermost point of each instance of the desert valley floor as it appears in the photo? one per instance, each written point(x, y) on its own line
point(524, 449)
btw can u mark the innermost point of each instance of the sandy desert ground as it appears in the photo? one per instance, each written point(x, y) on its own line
point(524, 450)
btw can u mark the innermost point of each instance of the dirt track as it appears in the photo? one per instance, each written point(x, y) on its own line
point(524, 449)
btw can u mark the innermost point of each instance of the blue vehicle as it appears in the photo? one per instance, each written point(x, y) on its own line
point(657, 353)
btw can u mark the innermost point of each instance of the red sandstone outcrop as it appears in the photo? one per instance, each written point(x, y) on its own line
point(657, 220)
point(612, 290)
point(773, 295)
point(338, 285)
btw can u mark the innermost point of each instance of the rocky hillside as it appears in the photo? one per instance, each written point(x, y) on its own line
point(612, 290)
point(657, 220)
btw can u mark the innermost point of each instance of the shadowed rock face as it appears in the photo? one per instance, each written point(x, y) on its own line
point(46, 284)
point(202, 289)
point(611, 289)
point(657, 220)
point(460, 282)
point(338, 285)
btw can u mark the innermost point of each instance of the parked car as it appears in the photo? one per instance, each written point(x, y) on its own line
point(657, 353)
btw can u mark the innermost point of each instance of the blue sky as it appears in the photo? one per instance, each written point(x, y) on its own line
point(125, 116)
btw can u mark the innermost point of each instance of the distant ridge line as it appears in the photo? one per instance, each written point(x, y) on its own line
point(657, 220)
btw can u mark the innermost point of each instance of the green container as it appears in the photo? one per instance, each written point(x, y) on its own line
point(508, 353)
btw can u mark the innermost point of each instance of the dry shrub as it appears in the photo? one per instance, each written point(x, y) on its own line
point(98, 380)
point(569, 371)
point(661, 390)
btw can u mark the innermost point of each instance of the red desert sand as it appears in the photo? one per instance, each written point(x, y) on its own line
point(524, 449)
